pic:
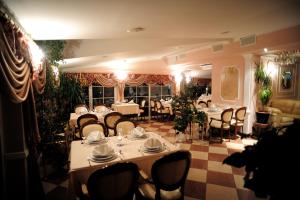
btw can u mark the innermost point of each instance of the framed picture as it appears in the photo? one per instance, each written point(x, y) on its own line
point(286, 81)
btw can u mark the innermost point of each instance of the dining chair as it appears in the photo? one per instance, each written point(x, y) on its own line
point(203, 104)
point(208, 103)
point(168, 176)
point(81, 120)
point(114, 182)
point(100, 108)
point(153, 108)
point(142, 108)
point(222, 124)
point(110, 122)
point(125, 124)
point(90, 126)
point(163, 112)
point(238, 120)
point(81, 108)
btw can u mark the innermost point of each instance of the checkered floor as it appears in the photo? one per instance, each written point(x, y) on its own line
point(208, 178)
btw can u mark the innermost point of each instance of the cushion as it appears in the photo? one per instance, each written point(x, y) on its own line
point(148, 191)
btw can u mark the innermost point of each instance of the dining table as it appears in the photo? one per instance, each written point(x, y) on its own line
point(126, 108)
point(128, 149)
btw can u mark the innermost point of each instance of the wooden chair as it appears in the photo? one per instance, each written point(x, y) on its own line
point(81, 108)
point(90, 126)
point(110, 122)
point(153, 108)
point(208, 103)
point(238, 120)
point(100, 108)
point(203, 104)
point(142, 108)
point(81, 120)
point(163, 112)
point(168, 177)
point(115, 182)
point(126, 126)
point(222, 124)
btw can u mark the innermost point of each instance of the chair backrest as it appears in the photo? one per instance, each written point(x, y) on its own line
point(115, 182)
point(152, 104)
point(84, 118)
point(111, 118)
point(100, 108)
point(143, 103)
point(240, 114)
point(203, 104)
point(170, 172)
point(81, 108)
point(90, 126)
point(126, 126)
point(226, 115)
point(208, 103)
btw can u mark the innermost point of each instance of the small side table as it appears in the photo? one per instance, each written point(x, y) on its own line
point(260, 128)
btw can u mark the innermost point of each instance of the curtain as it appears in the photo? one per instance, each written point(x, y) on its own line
point(17, 81)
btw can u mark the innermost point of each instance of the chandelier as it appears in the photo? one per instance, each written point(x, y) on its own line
point(287, 57)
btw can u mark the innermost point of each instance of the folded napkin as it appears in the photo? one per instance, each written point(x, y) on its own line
point(153, 143)
point(103, 150)
point(162, 100)
point(95, 136)
point(131, 101)
point(138, 132)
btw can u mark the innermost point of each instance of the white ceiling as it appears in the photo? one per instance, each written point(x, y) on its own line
point(98, 40)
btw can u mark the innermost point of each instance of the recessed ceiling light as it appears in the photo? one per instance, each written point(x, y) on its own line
point(225, 32)
point(265, 50)
point(136, 29)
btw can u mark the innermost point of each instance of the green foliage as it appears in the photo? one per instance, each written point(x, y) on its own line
point(185, 113)
point(264, 83)
point(53, 50)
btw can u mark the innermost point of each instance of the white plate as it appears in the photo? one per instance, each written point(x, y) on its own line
point(135, 137)
point(157, 150)
point(102, 159)
point(101, 141)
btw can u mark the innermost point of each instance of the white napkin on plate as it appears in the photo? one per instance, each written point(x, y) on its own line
point(103, 150)
point(138, 132)
point(95, 136)
point(153, 143)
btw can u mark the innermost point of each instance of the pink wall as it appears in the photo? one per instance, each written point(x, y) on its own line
point(232, 55)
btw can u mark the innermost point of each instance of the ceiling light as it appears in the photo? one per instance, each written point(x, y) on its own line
point(265, 50)
point(225, 32)
point(136, 29)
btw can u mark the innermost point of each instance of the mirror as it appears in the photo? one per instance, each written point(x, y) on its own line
point(229, 83)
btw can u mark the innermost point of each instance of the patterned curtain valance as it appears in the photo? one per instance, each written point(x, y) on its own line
point(109, 80)
point(16, 70)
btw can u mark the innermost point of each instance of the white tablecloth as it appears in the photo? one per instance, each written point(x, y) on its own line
point(74, 117)
point(81, 168)
point(126, 108)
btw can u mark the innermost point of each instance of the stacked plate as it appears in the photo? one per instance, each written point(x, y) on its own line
point(102, 153)
point(153, 145)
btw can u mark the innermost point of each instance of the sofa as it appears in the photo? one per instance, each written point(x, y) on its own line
point(283, 112)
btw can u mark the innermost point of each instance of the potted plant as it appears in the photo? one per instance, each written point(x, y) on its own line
point(263, 81)
point(185, 115)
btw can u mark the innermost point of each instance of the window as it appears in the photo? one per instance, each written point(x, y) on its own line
point(103, 95)
point(136, 93)
point(161, 91)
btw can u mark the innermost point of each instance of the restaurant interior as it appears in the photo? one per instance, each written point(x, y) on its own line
point(149, 99)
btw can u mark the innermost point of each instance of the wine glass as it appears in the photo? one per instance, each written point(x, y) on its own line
point(120, 136)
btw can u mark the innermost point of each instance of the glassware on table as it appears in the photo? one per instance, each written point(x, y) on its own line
point(120, 136)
